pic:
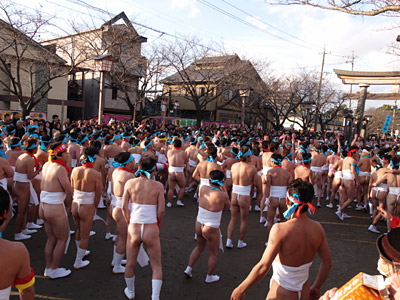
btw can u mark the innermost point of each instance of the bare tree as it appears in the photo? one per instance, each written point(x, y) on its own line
point(28, 68)
point(354, 7)
point(207, 77)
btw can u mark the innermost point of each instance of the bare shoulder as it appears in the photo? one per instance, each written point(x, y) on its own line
point(158, 185)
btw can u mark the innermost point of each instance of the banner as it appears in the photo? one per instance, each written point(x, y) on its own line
point(33, 114)
point(387, 124)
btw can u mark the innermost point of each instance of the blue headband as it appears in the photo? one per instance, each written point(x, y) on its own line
point(211, 159)
point(145, 148)
point(15, 145)
point(241, 154)
point(288, 213)
point(33, 126)
point(277, 161)
point(12, 131)
point(33, 135)
point(117, 137)
point(216, 182)
point(117, 164)
point(90, 158)
point(33, 146)
point(147, 173)
point(202, 145)
point(83, 140)
point(306, 160)
point(3, 154)
point(42, 143)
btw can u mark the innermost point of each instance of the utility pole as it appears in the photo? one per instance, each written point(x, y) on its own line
point(352, 68)
point(319, 88)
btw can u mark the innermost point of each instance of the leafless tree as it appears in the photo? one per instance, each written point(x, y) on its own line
point(28, 68)
point(354, 7)
point(205, 75)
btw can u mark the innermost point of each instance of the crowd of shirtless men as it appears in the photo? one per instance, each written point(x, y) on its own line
point(139, 173)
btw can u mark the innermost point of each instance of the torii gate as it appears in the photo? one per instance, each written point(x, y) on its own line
point(364, 80)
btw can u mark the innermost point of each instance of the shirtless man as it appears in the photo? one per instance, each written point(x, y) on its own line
point(177, 159)
point(136, 151)
point(336, 170)
point(73, 148)
point(290, 256)
point(276, 184)
point(15, 150)
point(244, 176)
point(212, 201)
point(349, 181)
point(124, 163)
point(143, 206)
point(227, 166)
point(125, 141)
point(393, 183)
point(256, 161)
point(100, 166)
point(331, 159)
point(268, 150)
point(110, 150)
point(26, 168)
point(55, 190)
point(287, 163)
point(378, 190)
point(317, 161)
point(161, 150)
point(14, 259)
point(6, 172)
point(303, 171)
point(87, 186)
point(191, 153)
point(364, 164)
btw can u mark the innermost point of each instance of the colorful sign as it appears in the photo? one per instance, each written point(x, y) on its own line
point(33, 114)
point(387, 123)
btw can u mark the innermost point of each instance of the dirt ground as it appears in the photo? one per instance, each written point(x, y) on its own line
point(352, 247)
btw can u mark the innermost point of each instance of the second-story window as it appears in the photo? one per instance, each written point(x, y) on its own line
point(114, 89)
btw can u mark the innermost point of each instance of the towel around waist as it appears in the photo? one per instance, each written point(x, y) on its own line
point(290, 278)
point(21, 177)
point(278, 191)
point(52, 197)
point(209, 218)
point(172, 169)
point(83, 197)
point(143, 213)
point(241, 190)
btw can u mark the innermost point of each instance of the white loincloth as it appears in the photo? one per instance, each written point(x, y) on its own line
point(316, 169)
point(228, 174)
point(380, 188)
point(3, 183)
point(38, 176)
point(266, 169)
point(21, 177)
point(172, 169)
point(116, 201)
point(211, 219)
point(81, 197)
point(136, 157)
point(74, 162)
point(110, 162)
point(5, 293)
point(143, 214)
point(348, 175)
point(240, 190)
point(338, 175)
point(278, 191)
point(259, 173)
point(366, 174)
point(192, 163)
point(204, 181)
point(290, 278)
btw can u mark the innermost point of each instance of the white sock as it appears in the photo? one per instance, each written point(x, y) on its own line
point(130, 284)
point(77, 244)
point(118, 259)
point(188, 271)
point(80, 254)
point(156, 287)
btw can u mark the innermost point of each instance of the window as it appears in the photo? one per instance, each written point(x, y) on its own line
point(202, 91)
point(114, 89)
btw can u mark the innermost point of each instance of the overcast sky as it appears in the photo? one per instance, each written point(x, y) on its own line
point(291, 37)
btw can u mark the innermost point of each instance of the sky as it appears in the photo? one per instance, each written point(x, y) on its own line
point(289, 37)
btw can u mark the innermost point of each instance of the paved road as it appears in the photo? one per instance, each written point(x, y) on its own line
point(352, 246)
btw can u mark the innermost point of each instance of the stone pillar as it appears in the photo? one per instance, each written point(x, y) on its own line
point(361, 106)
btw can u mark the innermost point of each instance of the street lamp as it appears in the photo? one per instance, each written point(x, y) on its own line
point(244, 93)
point(103, 63)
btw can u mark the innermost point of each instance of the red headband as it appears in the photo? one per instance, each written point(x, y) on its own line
point(300, 204)
point(60, 149)
point(351, 151)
